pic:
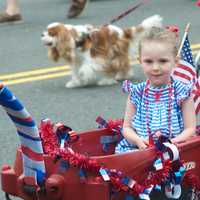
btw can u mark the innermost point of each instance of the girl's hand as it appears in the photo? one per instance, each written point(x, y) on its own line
point(158, 134)
point(174, 141)
point(146, 142)
point(143, 144)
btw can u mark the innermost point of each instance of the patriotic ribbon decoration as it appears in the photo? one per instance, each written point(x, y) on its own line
point(102, 122)
point(104, 174)
point(64, 165)
point(145, 194)
point(31, 145)
point(115, 126)
point(168, 169)
point(158, 164)
point(82, 174)
point(172, 185)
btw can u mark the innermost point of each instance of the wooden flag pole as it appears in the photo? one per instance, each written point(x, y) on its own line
point(183, 39)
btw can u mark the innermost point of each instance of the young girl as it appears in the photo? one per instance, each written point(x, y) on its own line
point(161, 105)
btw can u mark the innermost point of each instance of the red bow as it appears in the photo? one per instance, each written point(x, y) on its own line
point(198, 3)
point(173, 28)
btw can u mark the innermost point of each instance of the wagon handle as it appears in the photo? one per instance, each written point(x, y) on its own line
point(7, 196)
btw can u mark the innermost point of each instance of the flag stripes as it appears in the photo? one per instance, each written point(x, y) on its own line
point(186, 72)
point(197, 96)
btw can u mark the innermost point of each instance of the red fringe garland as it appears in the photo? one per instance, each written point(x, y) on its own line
point(51, 147)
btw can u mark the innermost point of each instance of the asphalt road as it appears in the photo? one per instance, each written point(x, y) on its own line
point(44, 95)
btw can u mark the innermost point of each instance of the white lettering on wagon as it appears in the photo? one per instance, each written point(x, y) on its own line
point(189, 165)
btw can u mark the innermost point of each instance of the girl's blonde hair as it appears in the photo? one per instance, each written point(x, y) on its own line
point(160, 35)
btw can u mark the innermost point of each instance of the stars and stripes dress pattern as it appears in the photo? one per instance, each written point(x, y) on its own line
point(31, 144)
point(158, 115)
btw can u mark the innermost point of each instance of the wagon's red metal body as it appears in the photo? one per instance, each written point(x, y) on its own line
point(64, 185)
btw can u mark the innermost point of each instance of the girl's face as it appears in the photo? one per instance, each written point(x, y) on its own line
point(157, 60)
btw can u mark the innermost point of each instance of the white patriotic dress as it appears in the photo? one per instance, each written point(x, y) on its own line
point(158, 111)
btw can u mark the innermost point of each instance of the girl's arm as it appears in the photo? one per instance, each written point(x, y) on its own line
point(189, 120)
point(128, 131)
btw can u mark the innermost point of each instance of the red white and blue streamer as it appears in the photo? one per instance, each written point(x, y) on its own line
point(31, 145)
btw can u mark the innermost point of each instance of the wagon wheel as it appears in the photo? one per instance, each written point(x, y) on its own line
point(30, 190)
point(197, 63)
point(192, 195)
point(7, 196)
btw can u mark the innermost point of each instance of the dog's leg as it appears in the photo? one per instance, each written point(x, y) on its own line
point(107, 81)
point(74, 82)
point(124, 75)
point(87, 74)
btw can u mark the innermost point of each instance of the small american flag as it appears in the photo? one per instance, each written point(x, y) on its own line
point(197, 96)
point(186, 72)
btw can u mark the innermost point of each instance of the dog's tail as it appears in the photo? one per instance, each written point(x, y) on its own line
point(135, 33)
point(155, 20)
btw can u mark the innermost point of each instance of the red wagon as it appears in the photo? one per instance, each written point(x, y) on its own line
point(63, 180)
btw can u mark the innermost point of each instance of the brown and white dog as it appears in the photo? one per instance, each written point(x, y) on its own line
point(98, 56)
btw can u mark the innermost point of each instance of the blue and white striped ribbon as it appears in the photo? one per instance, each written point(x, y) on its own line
point(32, 151)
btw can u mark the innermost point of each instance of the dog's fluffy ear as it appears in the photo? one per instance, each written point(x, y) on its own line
point(63, 39)
point(53, 54)
point(65, 44)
